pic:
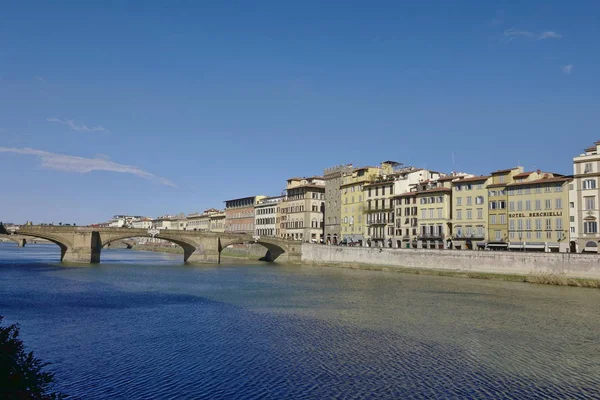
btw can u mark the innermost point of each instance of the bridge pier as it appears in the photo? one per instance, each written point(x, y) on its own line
point(21, 242)
point(86, 248)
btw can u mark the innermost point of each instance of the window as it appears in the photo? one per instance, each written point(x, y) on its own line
point(440, 213)
point(423, 214)
point(479, 200)
point(527, 205)
point(587, 168)
point(520, 205)
point(528, 224)
point(459, 201)
point(548, 204)
point(548, 224)
point(571, 219)
point(511, 224)
point(538, 204)
point(458, 214)
point(520, 223)
point(498, 235)
point(511, 206)
point(431, 213)
point(558, 204)
point(503, 219)
point(492, 219)
point(590, 227)
point(501, 178)
point(469, 200)
point(559, 224)
point(572, 204)
point(480, 213)
point(469, 214)
point(590, 203)
point(458, 188)
point(589, 184)
point(502, 205)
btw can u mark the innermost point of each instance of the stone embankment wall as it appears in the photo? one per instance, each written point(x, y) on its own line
point(502, 262)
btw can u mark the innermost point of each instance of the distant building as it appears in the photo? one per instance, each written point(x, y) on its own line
point(217, 221)
point(266, 211)
point(201, 222)
point(142, 223)
point(334, 178)
point(122, 221)
point(165, 222)
point(352, 221)
point(239, 214)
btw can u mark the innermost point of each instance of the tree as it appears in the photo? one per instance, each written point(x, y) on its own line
point(21, 375)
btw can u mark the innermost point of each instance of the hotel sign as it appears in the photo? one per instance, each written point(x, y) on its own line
point(536, 214)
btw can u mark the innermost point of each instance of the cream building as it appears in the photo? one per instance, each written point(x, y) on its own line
point(304, 209)
point(265, 216)
point(378, 210)
point(470, 212)
point(217, 222)
point(584, 204)
point(406, 214)
point(200, 222)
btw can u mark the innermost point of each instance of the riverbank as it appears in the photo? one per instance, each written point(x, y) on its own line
point(540, 268)
point(562, 269)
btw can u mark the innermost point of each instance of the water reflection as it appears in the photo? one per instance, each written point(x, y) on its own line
point(144, 325)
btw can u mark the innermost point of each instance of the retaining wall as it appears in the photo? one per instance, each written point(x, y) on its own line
point(504, 262)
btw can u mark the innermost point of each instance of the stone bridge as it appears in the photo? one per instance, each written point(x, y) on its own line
point(84, 244)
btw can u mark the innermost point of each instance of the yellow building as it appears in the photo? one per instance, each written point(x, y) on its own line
point(498, 207)
point(434, 210)
point(470, 212)
point(353, 224)
point(538, 212)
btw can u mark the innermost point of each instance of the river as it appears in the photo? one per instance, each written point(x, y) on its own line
point(143, 326)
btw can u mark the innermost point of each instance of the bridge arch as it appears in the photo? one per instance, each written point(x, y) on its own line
point(274, 250)
point(62, 243)
point(188, 247)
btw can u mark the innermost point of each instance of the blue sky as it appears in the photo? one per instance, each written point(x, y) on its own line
point(153, 107)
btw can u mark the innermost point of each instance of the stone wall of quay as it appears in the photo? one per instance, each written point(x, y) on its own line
point(498, 262)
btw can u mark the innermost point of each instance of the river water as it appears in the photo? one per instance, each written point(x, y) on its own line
point(144, 326)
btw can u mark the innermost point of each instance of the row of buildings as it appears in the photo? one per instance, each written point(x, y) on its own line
point(393, 205)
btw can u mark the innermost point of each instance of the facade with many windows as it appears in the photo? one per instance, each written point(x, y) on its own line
point(265, 216)
point(470, 212)
point(498, 207)
point(352, 221)
point(584, 201)
point(434, 209)
point(239, 214)
point(304, 209)
point(538, 212)
point(334, 178)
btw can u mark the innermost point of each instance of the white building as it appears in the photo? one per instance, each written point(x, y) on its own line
point(584, 198)
point(165, 222)
point(142, 223)
point(122, 221)
point(265, 216)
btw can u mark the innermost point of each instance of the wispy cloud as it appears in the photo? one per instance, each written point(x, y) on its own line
point(40, 79)
point(63, 162)
point(567, 69)
point(512, 34)
point(79, 128)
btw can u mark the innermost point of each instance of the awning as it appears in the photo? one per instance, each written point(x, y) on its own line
point(553, 244)
point(497, 244)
